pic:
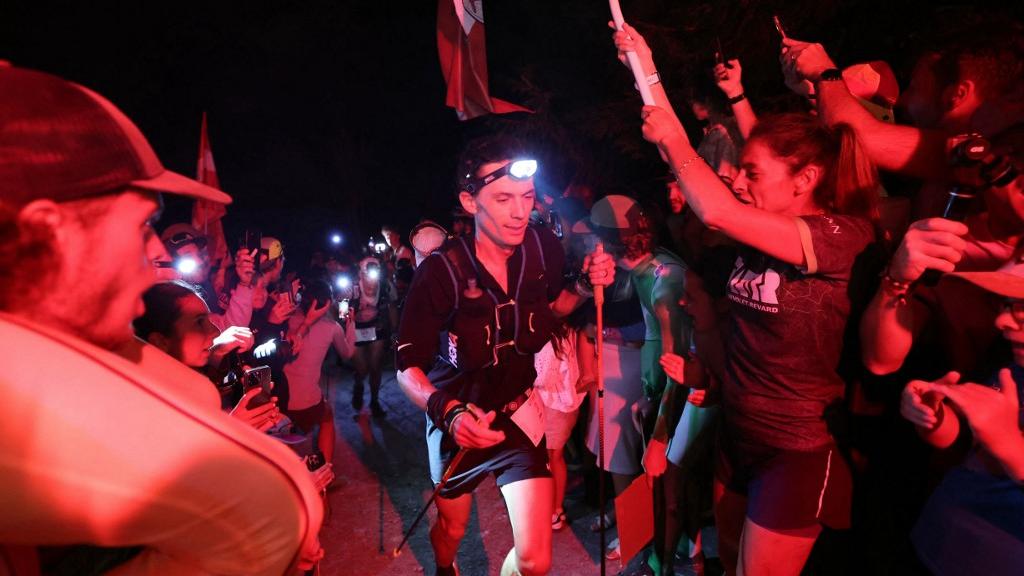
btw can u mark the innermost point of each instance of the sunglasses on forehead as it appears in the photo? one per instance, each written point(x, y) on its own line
point(182, 238)
point(517, 170)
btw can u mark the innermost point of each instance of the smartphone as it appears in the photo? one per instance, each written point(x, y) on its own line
point(959, 204)
point(343, 309)
point(253, 241)
point(719, 56)
point(958, 207)
point(257, 377)
point(778, 26)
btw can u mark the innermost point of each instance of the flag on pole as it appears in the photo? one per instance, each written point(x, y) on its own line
point(463, 53)
point(206, 215)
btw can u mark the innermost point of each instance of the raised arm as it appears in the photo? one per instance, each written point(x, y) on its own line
point(894, 148)
point(894, 316)
point(344, 340)
point(713, 202)
point(728, 76)
point(629, 40)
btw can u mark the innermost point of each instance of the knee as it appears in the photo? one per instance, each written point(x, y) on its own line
point(452, 529)
point(533, 562)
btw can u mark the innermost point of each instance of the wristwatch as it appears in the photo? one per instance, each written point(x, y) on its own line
point(830, 75)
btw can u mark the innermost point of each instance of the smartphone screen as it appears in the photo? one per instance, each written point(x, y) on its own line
point(343, 309)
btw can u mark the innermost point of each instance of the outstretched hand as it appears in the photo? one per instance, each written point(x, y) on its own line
point(674, 366)
point(655, 460)
point(282, 310)
point(316, 311)
point(660, 126)
point(629, 40)
point(234, 338)
point(920, 402)
point(262, 417)
point(934, 243)
point(804, 60)
point(473, 429)
point(245, 265)
point(728, 76)
point(991, 414)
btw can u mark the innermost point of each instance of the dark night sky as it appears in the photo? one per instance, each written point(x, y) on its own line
point(330, 114)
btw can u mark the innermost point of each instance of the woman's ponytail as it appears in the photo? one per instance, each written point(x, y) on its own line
point(855, 179)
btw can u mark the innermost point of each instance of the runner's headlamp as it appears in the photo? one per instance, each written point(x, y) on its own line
point(517, 170)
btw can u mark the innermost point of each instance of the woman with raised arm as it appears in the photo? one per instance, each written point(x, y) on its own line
point(803, 208)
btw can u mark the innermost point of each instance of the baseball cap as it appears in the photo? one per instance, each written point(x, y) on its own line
point(616, 211)
point(177, 235)
point(271, 247)
point(1007, 281)
point(426, 237)
point(582, 226)
point(874, 84)
point(62, 141)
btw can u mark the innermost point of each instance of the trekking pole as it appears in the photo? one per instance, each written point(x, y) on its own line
point(599, 305)
point(444, 479)
point(380, 516)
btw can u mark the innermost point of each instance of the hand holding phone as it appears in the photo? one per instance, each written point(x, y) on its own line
point(258, 377)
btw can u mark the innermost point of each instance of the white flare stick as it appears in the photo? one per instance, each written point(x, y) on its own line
point(634, 60)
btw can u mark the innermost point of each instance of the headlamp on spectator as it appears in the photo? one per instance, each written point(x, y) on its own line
point(373, 270)
point(186, 265)
point(517, 170)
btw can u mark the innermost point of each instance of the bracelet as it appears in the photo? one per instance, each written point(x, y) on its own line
point(896, 289)
point(829, 75)
point(737, 99)
point(686, 163)
point(436, 404)
point(451, 415)
point(651, 80)
point(583, 287)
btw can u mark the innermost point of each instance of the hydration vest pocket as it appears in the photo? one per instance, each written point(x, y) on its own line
point(536, 321)
point(471, 336)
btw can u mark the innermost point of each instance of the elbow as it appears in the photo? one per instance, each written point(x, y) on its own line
point(714, 218)
point(879, 366)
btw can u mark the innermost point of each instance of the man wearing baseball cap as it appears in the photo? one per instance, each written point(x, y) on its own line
point(98, 449)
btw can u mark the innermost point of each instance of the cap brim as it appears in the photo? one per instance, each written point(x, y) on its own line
point(1001, 283)
point(172, 183)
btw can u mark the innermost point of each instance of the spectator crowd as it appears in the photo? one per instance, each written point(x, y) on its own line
point(811, 344)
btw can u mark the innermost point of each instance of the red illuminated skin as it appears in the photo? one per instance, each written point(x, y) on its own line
point(156, 252)
point(104, 268)
point(191, 335)
point(991, 415)
point(190, 342)
point(758, 212)
point(676, 200)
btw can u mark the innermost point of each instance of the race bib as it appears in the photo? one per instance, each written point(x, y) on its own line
point(530, 418)
point(366, 334)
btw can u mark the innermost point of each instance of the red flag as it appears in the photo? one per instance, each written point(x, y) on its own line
point(206, 215)
point(461, 46)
